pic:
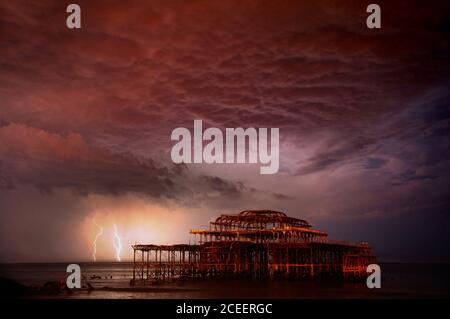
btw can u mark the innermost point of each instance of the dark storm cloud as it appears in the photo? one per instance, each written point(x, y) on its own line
point(337, 152)
point(375, 163)
point(287, 68)
point(282, 196)
point(48, 161)
point(222, 186)
point(431, 135)
point(363, 114)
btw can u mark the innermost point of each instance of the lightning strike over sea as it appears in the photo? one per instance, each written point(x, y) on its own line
point(94, 244)
point(117, 242)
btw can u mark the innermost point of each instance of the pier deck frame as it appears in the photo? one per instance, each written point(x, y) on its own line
point(256, 245)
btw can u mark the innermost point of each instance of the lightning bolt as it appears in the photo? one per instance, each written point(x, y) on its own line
point(117, 242)
point(94, 244)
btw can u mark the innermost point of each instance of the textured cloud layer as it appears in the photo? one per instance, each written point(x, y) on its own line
point(363, 114)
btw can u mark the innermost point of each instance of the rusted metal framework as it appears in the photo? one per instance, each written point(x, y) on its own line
point(253, 244)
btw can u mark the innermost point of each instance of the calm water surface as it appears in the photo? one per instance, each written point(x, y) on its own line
point(111, 280)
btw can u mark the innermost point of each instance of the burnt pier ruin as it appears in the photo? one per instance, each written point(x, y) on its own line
point(257, 244)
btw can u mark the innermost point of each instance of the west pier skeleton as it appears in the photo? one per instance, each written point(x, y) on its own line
point(255, 244)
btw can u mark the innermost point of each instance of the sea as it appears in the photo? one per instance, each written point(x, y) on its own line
point(111, 280)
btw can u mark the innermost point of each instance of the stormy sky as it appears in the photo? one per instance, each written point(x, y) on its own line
point(86, 117)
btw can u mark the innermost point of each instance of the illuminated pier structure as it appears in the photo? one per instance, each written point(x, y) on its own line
point(258, 244)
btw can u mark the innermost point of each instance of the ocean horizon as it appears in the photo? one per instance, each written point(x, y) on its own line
point(102, 280)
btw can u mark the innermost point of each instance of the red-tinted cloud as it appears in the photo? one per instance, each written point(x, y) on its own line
point(362, 113)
